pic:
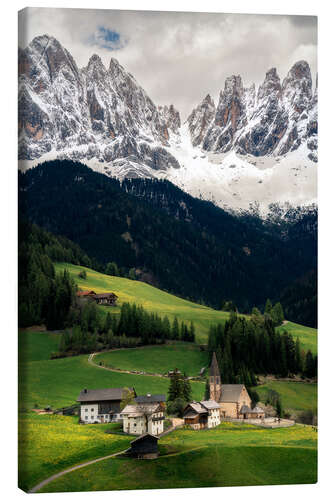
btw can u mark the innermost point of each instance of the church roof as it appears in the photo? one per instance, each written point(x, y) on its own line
point(230, 393)
point(214, 367)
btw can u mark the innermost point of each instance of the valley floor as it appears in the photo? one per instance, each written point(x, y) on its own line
point(268, 456)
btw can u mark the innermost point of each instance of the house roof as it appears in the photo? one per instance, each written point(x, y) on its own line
point(144, 436)
point(150, 398)
point(257, 409)
point(245, 409)
point(112, 394)
point(230, 393)
point(138, 411)
point(83, 293)
point(214, 367)
point(210, 405)
point(105, 295)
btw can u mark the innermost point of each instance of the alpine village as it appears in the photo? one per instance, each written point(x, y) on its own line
point(166, 339)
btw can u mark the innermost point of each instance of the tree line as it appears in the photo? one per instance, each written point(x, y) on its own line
point(248, 347)
point(134, 326)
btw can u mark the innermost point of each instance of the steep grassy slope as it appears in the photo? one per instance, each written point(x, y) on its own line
point(229, 455)
point(151, 298)
point(163, 303)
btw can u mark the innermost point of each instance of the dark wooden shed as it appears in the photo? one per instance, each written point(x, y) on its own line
point(144, 446)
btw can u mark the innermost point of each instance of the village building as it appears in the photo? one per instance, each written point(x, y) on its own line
point(256, 412)
point(233, 399)
point(205, 414)
point(105, 299)
point(101, 405)
point(145, 446)
point(151, 398)
point(145, 416)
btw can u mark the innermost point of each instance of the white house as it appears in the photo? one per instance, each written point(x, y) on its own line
point(101, 405)
point(141, 418)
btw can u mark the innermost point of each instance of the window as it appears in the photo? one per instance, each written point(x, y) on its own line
point(92, 409)
point(86, 418)
point(86, 409)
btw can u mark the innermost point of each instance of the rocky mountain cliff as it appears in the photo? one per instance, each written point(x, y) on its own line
point(104, 118)
point(275, 120)
point(89, 113)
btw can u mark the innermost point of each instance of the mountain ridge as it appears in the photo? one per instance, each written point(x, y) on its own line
point(104, 118)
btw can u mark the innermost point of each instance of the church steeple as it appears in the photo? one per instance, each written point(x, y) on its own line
point(214, 380)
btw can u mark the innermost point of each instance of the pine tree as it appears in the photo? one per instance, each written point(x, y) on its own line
point(175, 329)
point(187, 389)
point(268, 307)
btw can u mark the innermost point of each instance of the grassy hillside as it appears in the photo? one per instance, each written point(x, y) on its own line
point(64, 443)
point(58, 382)
point(163, 303)
point(187, 358)
point(295, 396)
point(307, 336)
point(229, 455)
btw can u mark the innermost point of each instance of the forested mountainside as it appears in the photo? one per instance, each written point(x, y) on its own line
point(179, 243)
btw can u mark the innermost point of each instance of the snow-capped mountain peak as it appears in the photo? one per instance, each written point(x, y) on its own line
point(225, 152)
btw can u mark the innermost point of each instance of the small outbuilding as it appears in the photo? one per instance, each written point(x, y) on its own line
point(248, 412)
point(145, 446)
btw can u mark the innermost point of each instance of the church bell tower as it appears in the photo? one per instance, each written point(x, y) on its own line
point(214, 380)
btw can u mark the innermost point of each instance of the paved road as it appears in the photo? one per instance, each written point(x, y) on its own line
point(71, 469)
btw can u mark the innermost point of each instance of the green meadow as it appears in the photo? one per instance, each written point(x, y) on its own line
point(307, 336)
point(51, 443)
point(188, 358)
point(58, 382)
point(229, 455)
point(157, 301)
point(295, 396)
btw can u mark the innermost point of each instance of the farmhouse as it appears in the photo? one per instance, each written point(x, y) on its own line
point(105, 299)
point(205, 414)
point(101, 405)
point(144, 446)
point(145, 416)
point(233, 399)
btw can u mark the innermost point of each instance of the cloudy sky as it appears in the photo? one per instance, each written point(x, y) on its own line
point(179, 57)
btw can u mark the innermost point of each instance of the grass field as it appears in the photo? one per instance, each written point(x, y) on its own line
point(296, 396)
point(229, 455)
point(307, 336)
point(51, 443)
point(163, 303)
point(58, 382)
point(158, 359)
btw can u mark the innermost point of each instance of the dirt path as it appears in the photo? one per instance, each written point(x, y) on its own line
point(71, 469)
point(119, 370)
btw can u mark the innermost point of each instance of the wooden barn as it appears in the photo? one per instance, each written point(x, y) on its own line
point(145, 446)
point(105, 299)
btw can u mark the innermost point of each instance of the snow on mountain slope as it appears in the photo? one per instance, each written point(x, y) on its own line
point(252, 147)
